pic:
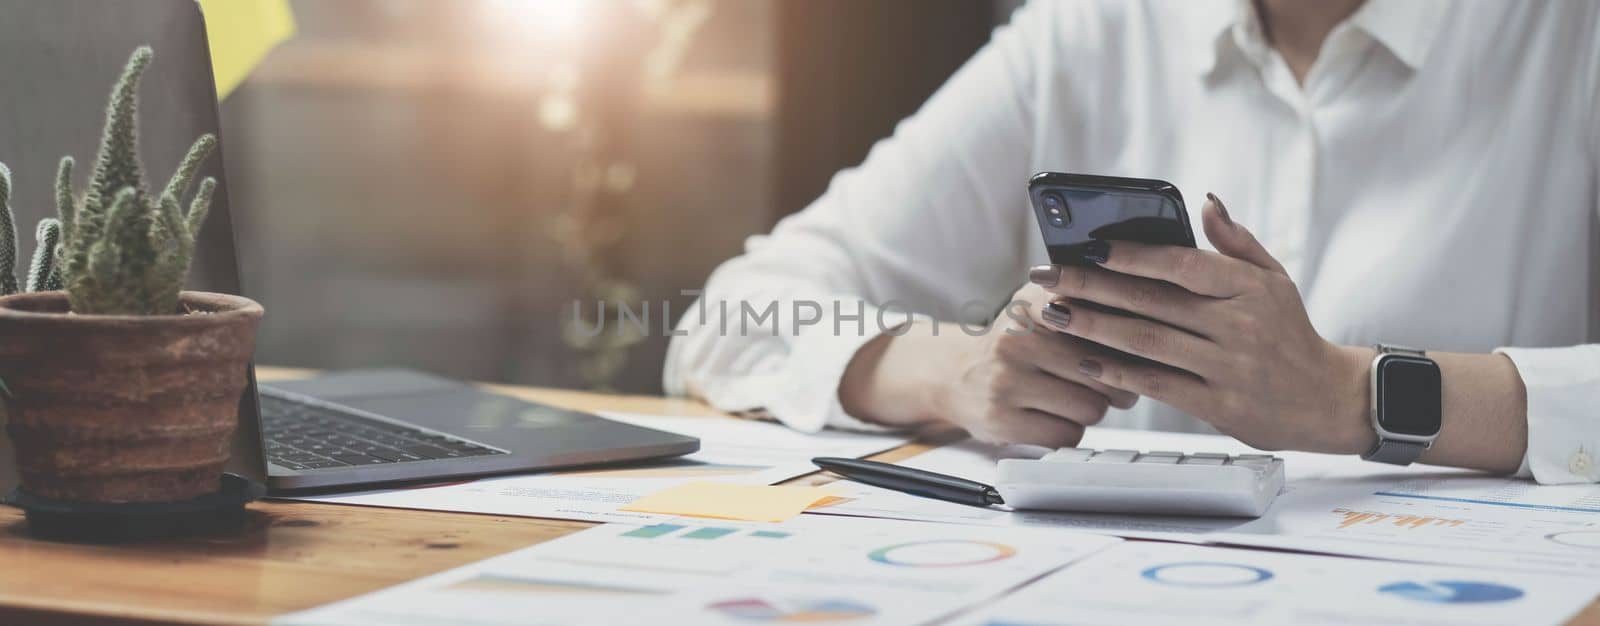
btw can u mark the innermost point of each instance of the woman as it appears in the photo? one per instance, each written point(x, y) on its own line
point(1411, 171)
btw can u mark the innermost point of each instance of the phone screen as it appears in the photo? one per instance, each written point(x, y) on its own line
point(1074, 210)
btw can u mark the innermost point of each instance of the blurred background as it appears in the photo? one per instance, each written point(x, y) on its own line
point(434, 184)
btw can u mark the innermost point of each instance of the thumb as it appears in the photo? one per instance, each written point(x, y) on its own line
point(1233, 239)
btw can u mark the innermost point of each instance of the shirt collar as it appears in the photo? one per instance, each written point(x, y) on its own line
point(1210, 25)
point(1407, 28)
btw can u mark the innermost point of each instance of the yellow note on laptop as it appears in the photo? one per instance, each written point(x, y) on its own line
point(753, 503)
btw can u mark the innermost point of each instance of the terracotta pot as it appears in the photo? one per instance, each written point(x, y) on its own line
point(113, 408)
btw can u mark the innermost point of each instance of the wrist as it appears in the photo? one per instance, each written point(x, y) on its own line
point(892, 381)
point(1352, 416)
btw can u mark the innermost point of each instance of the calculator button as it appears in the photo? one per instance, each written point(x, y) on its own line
point(1253, 460)
point(1209, 455)
point(1114, 456)
point(1158, 458)
point(1197, 459)
point(1069, 455)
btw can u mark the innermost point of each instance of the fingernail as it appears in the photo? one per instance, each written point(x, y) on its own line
point(1056, 315)
point(1097, 251)
point(1044, 275)
point(1090, 368)
point(1222, 209)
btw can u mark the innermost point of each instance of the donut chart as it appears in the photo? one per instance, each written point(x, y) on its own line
point(1587, 539)
point(942, 553)
point(1206, 574)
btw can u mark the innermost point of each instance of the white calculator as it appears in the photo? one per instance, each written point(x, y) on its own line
point(1129, 481)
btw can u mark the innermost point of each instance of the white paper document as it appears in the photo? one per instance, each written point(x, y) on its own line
point(1158, 583)
point(839, 570)
point(739, 451)
point(1472, 520)
point(1333, 504)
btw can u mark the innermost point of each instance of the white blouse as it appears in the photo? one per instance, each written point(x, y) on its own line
point(1435, 183)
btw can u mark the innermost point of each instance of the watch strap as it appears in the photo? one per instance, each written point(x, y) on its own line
point(1395, 452)
point(1384, 348)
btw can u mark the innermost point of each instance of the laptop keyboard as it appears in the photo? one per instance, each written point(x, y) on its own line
point(302, 436)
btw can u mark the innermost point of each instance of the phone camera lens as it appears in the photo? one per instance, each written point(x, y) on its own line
point(1055, 209)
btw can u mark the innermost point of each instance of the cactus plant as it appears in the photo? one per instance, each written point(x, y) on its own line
point(101, 406)
point(8, 235)
point(120, 250)
point(44, 273)
point(123, 251)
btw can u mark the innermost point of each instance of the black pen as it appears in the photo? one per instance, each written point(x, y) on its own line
point(913, 481)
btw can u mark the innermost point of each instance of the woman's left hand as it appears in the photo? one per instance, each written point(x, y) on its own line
point(1230, 336)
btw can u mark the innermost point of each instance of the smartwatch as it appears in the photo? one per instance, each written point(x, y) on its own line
point(1407, 406)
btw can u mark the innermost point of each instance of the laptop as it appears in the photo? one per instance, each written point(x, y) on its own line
point(337, 431)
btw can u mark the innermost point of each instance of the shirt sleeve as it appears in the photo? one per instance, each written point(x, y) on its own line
point(1563, 426)
point(1564, 383)
point(893, 235)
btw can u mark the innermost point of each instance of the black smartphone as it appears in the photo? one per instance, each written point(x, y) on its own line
point(1076, 209)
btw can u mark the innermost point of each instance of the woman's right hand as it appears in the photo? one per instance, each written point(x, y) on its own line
point(1016, 383)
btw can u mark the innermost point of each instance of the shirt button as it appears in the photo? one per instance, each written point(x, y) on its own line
point(1580, 463)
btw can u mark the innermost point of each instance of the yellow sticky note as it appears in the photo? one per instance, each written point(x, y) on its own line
point(828, 501)
point(753, 503)
point(241, 33)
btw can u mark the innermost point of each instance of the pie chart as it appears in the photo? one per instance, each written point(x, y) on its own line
point(793, 610)
point(1452, 591)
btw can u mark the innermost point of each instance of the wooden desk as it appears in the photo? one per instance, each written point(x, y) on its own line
point(292, 556)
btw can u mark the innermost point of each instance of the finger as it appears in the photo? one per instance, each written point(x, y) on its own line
point(1151, 340)
point(1037, 345)
point(1175, 387)
point(1117, 398)
point(1069, 400)
point(1232, 238)
point(1058, 356)
point(1201, 271)
point(1156, 299)
point(1032, 427)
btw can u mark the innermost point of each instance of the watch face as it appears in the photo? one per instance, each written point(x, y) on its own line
point(1409, 396)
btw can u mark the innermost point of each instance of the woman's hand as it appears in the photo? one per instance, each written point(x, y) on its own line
point(1019, 382)
point(1230, 336)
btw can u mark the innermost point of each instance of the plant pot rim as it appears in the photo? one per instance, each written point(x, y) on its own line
point(220, 307)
